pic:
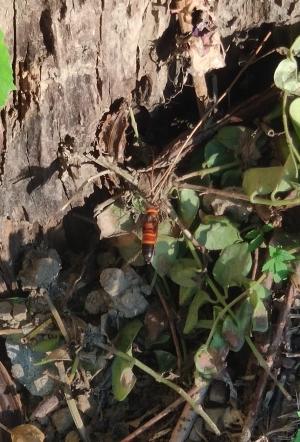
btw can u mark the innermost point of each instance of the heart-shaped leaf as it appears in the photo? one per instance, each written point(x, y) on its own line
point(188, 206)
point(233, 265)
point(295, 115)
point(184, 272)
point(216, 233)
point(165, 254)
point(286, 76)
point(199, 300)
point(123, 378)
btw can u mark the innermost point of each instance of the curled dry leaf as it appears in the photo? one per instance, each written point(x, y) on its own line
point(26, 433)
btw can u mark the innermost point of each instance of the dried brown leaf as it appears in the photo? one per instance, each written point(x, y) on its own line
point(26, 433)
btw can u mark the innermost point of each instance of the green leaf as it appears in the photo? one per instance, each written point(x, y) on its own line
point(205, 363)
point(199, 300)
point(297, 436)
point(231, 136)
point(234, 330)
point(216, 154)
point(286, 76)
point(295, 48)
point(46, 345)
point(260, 317)
point(184, 272)
point(123, 378)
point(278, 262)
point(269, 180)
point(165, 254)
point(232, 334)
point(186, 294)
point(6, 77)
point(188, 206)
point(166, 361)
point(295, 115)
point(127, 334)
point(233, 265)
point(216, 233)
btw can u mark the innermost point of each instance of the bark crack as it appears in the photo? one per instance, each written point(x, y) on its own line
point(4, 145)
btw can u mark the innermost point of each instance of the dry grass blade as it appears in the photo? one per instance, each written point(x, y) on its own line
point(57, 318)
point(71, 403)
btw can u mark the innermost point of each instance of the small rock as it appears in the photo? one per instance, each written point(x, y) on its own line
point(95, 302)
point(288, 363)
point(131, 303)
point(72, 437)
point(113, 281)
point(34, 377)
point(39, 268)
point(84, 404)
point(5, 311)
point(218, 393)
point(20, 312)
point(62, 420)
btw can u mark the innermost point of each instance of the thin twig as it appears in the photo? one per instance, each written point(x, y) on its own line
point(85, 183)
point(171, 325)
point(188, 416)
point(169, 409)
point(214, 191)
point(273, 349)
point(203, 172)
point(197, 407)
point(206, 115)
point(57, 317)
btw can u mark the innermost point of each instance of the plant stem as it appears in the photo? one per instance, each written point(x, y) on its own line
point(254, 350)
point(203, 172)
point(227, 308)
point(196, 407)
point(292, 148)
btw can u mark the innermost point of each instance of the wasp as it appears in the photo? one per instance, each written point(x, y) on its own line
point(149, 238)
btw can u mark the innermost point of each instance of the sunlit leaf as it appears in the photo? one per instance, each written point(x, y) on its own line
point(123, 378)
point(204, 362)
point(184, 272)
point(295, 48)
point(295, 115)
point(286, 76)
point(199, 300)
point(26, 433)
point(165, 254)
point(188, 206)
point(233, 265)
point(114, 220)
point(46, 345)
point(216, 233)
point(268, 180)
point(6, 76)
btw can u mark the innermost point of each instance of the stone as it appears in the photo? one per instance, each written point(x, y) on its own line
point(20, 312)
point(5, 311)
point(95, 301)
point(62, 420)
point(39, 269)
point(113, 281)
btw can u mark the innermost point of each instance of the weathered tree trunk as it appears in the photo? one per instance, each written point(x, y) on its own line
point(71, 60)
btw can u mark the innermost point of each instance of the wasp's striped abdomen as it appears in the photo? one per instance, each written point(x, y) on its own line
point(149, 233)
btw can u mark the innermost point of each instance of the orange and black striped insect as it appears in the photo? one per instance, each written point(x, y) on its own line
point(150, 227)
